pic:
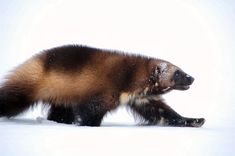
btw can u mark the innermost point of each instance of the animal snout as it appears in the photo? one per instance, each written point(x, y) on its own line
point(190, 79)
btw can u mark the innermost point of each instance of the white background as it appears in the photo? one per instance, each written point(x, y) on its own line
point(197, 36)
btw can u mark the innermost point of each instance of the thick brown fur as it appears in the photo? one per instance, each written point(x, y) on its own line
point(82, 84)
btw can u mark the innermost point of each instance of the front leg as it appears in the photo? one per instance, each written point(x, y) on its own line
point(156, 112)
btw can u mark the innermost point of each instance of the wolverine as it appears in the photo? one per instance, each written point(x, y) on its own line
point(81, 84)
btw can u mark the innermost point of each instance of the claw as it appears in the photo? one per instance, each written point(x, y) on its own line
point(197, 122)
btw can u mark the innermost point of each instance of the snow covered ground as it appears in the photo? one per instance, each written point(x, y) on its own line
point(27, 137)
point(198, 36)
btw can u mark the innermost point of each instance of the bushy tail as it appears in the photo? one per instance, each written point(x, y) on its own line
point(16, 92)
point(13, 100)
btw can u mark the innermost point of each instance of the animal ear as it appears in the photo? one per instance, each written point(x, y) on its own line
point(157, 71)
point(154, 75)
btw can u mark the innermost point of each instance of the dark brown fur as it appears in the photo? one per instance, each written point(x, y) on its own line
point(82, 84)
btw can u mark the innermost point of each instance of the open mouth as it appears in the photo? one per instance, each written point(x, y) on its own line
point(179, 87)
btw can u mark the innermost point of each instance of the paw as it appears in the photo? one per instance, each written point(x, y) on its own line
point(195, 122)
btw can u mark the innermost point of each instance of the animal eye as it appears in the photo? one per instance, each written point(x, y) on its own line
point(177, 73)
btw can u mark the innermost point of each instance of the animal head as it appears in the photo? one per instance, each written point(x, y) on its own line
point(166, 76)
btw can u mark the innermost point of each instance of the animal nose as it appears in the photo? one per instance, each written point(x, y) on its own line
point(190, 79)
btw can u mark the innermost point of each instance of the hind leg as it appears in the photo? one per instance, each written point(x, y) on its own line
point(157, 112)
point(61, 114)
